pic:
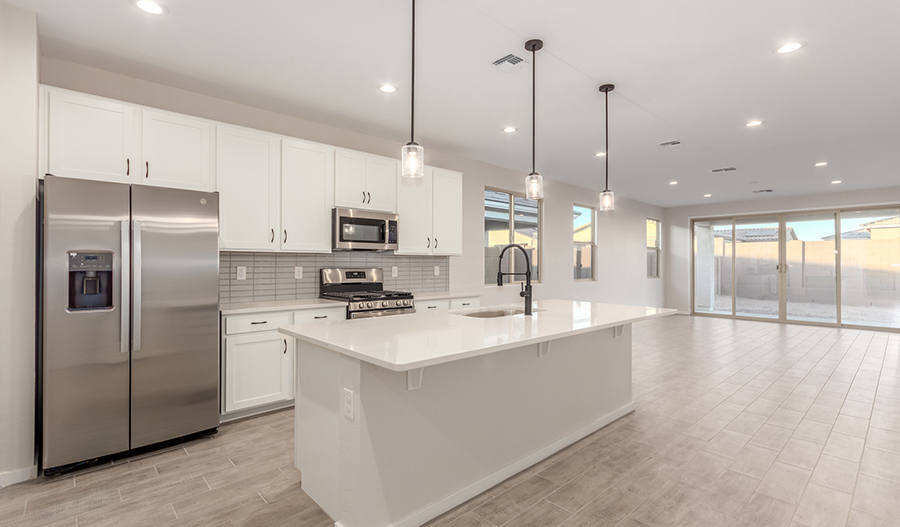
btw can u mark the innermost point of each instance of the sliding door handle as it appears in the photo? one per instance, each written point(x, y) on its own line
point(136, 283)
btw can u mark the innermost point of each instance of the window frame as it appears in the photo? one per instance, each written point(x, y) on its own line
point(658, 247)
point(593, 243)
point(511, 224)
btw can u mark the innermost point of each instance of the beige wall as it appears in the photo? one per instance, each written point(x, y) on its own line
point(19, 67)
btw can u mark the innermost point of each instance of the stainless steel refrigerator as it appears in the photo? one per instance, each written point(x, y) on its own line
point(129, 318)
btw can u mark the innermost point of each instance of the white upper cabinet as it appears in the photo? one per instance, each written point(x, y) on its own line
point(247, 170)
point(414, 209)
point(363, 181)
point(430, 211)
point(176, 151)
point(446, 211)
point(91, 139)
point(307, 195)
point(381, 183)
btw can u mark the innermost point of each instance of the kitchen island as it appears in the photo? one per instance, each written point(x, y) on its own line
point(401, 418)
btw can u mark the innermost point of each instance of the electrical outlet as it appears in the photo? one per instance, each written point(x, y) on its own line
point(347, 404)
point(394, 271)
point(241, 272)
point(437, 270)
point(298, 273)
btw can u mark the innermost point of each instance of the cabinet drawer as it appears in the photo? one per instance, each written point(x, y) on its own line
point(428, 306)
point(315, 315)
point(465, 303)
point(259, 322)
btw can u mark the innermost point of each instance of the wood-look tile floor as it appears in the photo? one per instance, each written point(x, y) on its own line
point(737, 424)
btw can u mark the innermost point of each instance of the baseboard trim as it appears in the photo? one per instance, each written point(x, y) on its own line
point(17, 476)
point(463, 495)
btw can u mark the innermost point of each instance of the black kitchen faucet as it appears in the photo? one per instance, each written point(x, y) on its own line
point(526, 289)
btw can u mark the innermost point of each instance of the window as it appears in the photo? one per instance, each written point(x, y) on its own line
point(652, 248)
point(583, 235)
point(511, 218)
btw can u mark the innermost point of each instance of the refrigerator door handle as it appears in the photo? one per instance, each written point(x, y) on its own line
point(125, 286)
point(136, 283)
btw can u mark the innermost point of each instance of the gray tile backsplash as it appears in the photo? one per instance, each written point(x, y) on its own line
point(270, 276)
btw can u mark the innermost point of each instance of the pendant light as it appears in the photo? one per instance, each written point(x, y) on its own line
point(607, 198)
point(412, 156)
point(534, 183)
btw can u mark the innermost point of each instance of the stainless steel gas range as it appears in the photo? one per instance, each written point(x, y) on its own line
point(363, 290)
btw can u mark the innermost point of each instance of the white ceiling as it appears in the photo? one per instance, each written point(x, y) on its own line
point(692, 70)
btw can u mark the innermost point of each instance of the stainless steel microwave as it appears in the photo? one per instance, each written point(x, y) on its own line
point(364, 230)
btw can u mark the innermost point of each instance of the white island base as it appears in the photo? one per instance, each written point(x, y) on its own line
point(408, 454)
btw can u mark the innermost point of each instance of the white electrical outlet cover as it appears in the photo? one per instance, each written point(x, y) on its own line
point(437, 270)
point(347, 404)
point(394, 271)
point(241, 272)
point(298, 273)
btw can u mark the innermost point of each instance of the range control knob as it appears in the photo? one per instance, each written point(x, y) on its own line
point(406, 302)
point(369, 304)
point(399, 302)
point(362, 305)
point(384, 304)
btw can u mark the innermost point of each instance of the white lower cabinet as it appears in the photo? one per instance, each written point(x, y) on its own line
point(259, 370)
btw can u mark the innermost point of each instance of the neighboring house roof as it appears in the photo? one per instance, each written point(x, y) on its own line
point(852, 235)
point(764, 234)
point(892, 222)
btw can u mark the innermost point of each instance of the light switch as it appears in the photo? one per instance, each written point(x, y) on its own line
point(437, 270)
point(241, 272)
point(394, 271)
point(298, 273)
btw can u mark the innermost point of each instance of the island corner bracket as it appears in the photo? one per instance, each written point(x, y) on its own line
point(618, 331)
point(543, 348)
point(414, 379)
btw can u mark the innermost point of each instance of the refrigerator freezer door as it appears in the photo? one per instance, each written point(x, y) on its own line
point(175, 373)
point(85, 373)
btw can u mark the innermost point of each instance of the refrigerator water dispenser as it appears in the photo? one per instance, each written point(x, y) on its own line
point(90, 280)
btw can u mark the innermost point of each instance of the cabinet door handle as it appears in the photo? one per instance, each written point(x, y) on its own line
point(323, 316)
point(467, 304)
point(127, 167)
point(432, 307)
point(370, 197)
point(364, 196)
point(148, 169)
point(285, 236)
point(435, 243)
point(272, 240)
point(285, 346)
point(261, 322)
point(429, 243)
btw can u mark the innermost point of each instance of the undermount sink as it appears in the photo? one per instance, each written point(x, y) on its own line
point(496, 313)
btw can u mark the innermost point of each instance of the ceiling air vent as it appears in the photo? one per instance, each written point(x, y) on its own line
point(726, 169)
point(509, 63)
point(670, 144)
point(763, 191)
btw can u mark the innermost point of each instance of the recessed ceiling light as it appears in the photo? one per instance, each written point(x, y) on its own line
point(673, 182)
point(836, 182)
point(600, 154)
point(387, 88)
point(149, 6)
point(755, 123)
point(509, 129)
point(823, 163)
point(707, 195)
point(790, 47)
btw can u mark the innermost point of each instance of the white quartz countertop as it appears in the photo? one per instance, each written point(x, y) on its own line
point(408, 342)
point(280, 305)
point(241, 308)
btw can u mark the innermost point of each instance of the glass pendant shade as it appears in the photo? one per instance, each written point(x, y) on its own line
point(534, 186)
point(412, 160)
point(607, 200)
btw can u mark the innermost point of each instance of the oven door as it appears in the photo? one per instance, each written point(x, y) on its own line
point(362, 230)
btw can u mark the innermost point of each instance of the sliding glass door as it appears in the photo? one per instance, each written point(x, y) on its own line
point(836, 267)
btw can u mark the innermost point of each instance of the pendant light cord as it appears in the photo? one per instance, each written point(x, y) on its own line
point(533, 111)
point(412, 110)
point(607, 141)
